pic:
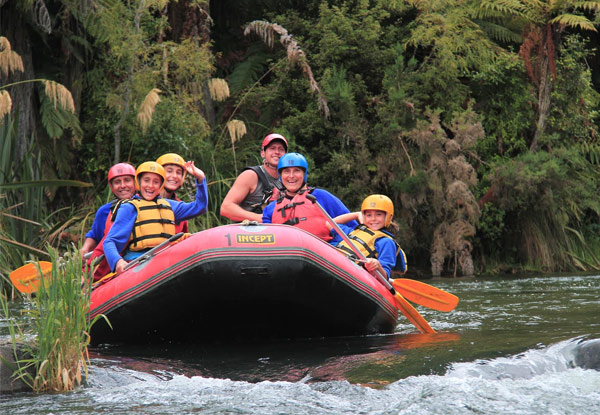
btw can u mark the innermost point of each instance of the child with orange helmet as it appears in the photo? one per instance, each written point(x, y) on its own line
point(373, 237)
point(174, 166)
point(147, 219)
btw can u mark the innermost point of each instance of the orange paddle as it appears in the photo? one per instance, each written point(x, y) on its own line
point(404, 306)
point(425, 294)
point(27, 278)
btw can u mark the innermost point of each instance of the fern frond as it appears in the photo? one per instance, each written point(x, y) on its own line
point(56, 119)
point(147, 108)
point(503, 7)
point(263, 29)
point(248, 71)
point(573, 20)
point(589, 6)
point(295, 55)
point(499, 32)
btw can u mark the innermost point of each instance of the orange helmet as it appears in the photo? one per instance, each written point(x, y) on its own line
point(150, 167)
point(379, 202)
point(172, 158)
point(121, 169)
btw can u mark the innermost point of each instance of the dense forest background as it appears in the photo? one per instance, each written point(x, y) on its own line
point(478, 118)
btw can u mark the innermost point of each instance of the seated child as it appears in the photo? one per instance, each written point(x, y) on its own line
point(147, 219)
point(174, 166)
point(373, 237)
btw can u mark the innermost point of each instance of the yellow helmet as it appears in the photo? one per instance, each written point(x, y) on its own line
point(150, 167)
point(172, 158)
point(379, 202)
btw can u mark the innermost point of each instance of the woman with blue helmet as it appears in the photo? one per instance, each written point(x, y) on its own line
point(292, 206)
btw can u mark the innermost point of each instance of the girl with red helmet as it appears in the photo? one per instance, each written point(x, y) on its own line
point(121, 182)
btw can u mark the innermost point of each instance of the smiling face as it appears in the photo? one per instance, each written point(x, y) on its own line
point(374, 219)
point(174, 175)
point(150, 185)
point(123, 187)
point(292, 178)
point(273, 152)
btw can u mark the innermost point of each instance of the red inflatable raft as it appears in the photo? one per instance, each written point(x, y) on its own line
point(242, 281)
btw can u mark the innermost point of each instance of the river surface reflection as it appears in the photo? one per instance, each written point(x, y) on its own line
point(528, 345)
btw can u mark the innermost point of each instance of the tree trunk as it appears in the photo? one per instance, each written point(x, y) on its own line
point(22, 95)
point(544, 92)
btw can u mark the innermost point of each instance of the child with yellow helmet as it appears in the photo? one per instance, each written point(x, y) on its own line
point(147, 219)
point(372, 236)
point(174, 166)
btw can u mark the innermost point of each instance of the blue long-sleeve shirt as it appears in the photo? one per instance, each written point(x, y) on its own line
point(118, 236)
point(331, 204)
point(99, 224)
point(386, 251)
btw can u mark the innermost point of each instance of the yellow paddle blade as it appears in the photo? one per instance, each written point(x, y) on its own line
point(26, 279)
point(426, 295)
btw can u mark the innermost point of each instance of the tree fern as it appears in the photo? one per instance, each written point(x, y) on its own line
point(249, 70)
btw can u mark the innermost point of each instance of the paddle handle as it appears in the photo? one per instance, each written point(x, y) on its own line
point(404, 306)
point(146, 255)
point(381, 278)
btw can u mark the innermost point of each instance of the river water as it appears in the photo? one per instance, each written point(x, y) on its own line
point(519, 345)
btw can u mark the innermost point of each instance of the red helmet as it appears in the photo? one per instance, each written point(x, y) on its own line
point(121, 169)
point(268, 139)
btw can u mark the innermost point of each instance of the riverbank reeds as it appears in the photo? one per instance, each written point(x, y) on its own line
point(56, 338)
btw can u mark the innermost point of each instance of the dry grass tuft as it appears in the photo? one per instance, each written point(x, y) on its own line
point(237, 129)
point(147, 108)
point(5, 103)
point(10, 61)
point(59, 95)
point(219, 89)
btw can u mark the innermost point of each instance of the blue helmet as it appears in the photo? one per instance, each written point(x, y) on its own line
point(293, 160)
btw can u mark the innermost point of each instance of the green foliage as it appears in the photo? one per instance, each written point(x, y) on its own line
point(574, 113)
point(506, 101)
point(544, 194)
point(56, 119)
point(250, 70)
point(57, 340)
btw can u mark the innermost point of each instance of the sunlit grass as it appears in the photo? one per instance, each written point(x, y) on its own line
point(56, 341)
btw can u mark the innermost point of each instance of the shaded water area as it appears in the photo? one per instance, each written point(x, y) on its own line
point(528, 345)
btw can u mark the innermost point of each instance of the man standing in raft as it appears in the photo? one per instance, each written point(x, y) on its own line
point(174, 166)
point(293, 208)
point(121, 182)
point(147, 219)
point(255, 186)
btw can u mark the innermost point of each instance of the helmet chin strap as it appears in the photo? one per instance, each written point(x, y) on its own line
point(266, 163)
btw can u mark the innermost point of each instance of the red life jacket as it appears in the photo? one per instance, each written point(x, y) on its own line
point(302, 213)
point(183, 225)
point(102, 268)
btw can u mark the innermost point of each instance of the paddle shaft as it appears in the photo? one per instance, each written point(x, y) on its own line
point(146, 255)
point(408, 310)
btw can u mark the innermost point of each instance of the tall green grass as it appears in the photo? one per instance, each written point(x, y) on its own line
point(26, 227)
point(57, 337)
